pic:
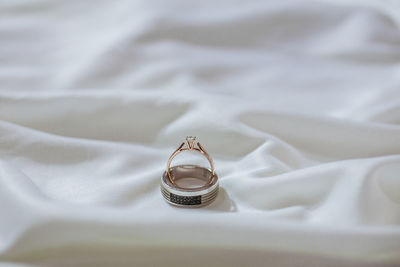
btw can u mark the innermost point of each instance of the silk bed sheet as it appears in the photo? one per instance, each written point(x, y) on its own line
point(298, 102)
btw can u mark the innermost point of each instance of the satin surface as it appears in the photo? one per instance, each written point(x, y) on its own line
point(297, 102)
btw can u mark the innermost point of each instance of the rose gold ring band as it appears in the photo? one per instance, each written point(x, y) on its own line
point(189, 146)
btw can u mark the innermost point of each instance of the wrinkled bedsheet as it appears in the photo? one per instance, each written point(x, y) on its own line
point(298, 103)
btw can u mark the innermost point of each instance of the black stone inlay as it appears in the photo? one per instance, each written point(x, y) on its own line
point(192, 200)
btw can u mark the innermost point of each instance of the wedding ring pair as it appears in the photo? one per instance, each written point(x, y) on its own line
point(184, 196)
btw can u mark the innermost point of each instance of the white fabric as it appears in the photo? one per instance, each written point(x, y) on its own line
point(297, 102)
